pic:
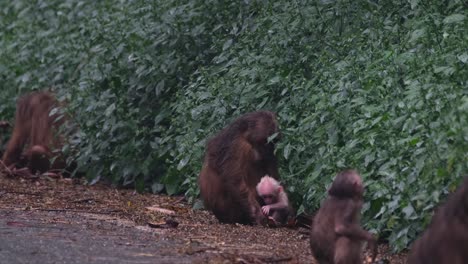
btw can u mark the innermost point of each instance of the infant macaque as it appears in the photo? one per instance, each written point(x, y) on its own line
point(274, 201)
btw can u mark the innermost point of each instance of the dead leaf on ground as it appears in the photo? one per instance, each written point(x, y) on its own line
point(160, 210)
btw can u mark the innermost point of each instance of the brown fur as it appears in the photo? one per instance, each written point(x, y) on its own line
point(336, 235)
point(446, 238)
point(34, 133)
point(235, 160)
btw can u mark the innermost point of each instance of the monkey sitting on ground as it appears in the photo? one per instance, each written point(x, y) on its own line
point(235, 161)
point(274, 201)
point(336, 235)
point(446, 238)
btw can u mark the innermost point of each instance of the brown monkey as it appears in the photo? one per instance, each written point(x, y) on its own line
point(274, 201)
point(446, 238)
point(235, 160)
point(35, 133)
point(336, 235)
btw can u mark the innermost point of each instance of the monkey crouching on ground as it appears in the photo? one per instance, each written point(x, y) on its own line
point(274, 202)
point(336, 235)
point(36, 133)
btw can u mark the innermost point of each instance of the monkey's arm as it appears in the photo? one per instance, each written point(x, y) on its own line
point(347, 225)
point(236, 174)
point(353, 231)
point(283, 202)
point(17, 141)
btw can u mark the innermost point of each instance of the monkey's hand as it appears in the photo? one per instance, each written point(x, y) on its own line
point(257, 215)
point(266, 210)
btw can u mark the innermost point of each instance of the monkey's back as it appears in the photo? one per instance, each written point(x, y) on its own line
point(322, 235)
point(235, 160)
point(446, 238)
point(324, 242)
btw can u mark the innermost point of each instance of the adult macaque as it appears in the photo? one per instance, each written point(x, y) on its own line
point(235, 161)
point(336, 235)
point(35, 133)
point(274, 201)
point(446, 238)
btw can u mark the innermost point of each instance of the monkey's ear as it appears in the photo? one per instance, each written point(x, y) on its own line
point(280, 189)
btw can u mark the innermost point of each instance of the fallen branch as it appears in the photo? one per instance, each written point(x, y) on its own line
point(160, 210)
point(12, 171)
point(5, 168)
point(178, 200)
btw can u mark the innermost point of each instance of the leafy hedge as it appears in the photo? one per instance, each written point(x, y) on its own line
point(376, 85)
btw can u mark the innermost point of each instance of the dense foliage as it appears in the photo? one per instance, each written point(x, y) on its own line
point(376, 85)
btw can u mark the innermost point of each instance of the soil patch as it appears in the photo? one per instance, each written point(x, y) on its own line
point(138, 228)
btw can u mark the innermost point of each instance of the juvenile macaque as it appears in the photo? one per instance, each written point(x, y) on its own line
point(235, 161)
point(446, 238)
point(336, 235)
point(274, 201)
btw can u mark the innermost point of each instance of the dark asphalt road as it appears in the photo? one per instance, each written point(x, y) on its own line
point(70, 237)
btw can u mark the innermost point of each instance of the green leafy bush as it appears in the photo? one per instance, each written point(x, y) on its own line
point(376, 85)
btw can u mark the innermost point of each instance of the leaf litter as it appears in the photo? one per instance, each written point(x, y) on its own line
point(172, 217)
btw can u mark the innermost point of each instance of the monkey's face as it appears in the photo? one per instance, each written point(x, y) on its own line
point(268, 189)
point(269, 198)
point(268, 194)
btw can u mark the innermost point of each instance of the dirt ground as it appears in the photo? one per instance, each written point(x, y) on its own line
point(140, 228)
